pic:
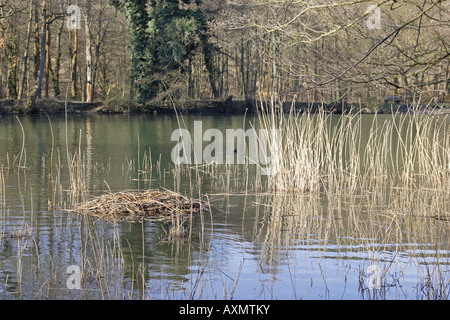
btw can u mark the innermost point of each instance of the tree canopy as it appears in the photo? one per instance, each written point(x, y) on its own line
point(165, 35)
point(154, 51)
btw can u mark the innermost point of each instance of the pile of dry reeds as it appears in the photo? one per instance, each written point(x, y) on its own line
point(138, 206)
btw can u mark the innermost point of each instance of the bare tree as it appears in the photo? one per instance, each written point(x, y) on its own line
point(26, 51)
point(47, 18)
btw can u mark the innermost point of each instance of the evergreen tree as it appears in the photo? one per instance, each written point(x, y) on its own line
point(164, 36)
point(137, 18)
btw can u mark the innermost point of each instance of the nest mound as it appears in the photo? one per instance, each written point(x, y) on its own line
point(138, 206)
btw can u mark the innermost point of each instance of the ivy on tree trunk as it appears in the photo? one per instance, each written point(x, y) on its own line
point(164, 37)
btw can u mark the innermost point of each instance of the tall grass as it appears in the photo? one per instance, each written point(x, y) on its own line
point(393, 185)
point(322, 151)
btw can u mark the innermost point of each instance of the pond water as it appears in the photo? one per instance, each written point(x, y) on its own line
point(250, 245)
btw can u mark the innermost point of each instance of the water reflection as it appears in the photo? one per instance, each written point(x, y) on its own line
point(251, 245)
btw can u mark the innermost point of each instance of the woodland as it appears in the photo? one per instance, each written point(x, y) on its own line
point(154, 51)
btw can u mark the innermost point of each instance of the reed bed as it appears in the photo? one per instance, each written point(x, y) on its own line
point(325, 152)
point(139, 206)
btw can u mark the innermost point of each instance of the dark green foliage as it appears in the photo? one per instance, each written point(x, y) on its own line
point(165, 35)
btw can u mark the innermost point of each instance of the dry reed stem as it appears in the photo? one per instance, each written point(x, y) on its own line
point(320, 152)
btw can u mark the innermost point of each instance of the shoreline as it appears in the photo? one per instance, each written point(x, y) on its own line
point(207, 107)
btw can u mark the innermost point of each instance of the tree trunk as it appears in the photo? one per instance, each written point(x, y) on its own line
point(25, 54)
point(74, 53)
point(55, 71)
point(34, 95)
point(275, 71)
point(208, 56)
point(11, 84)
point(242, 70)
point(190, 84)
point(445, 90)
point(88, 59)
point(37, 41)
point(47, 50)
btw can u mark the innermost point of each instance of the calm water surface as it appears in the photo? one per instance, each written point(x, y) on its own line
point(250, 245)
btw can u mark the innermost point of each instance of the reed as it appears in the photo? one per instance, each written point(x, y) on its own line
point(386, 192)
point(3, 212)
point(390, 234)
point(326, 152)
